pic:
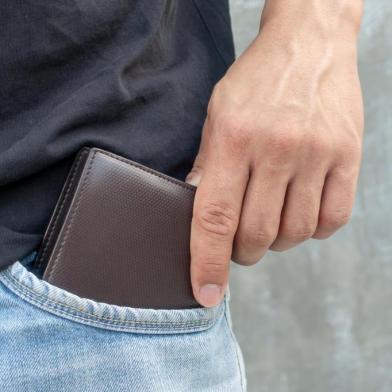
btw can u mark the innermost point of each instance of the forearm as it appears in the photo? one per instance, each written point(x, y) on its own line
point(307, 40)
point(322, 19)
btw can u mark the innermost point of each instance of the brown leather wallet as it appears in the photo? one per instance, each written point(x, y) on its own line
point(120, 234)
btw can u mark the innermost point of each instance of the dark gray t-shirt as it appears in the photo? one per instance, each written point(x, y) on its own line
point(133, 77)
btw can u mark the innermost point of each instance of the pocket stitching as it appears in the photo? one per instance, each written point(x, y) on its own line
point(234, 342)
point(56, 306)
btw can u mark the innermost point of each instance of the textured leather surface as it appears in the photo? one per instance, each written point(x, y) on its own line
point(120, 234)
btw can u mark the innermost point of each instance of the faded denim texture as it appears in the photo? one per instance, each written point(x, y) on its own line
point(52, 340)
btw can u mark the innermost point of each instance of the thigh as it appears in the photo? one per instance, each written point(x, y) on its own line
point(52, 340)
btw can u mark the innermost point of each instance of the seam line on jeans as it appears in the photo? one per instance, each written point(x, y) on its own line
point(48, 301)
point(118, 324)
point(57, 305)
point(234, 342)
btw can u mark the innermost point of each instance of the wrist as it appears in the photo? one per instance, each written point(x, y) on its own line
point(323, 19)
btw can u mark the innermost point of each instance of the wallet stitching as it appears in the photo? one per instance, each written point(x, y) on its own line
point(60, 209)
point(54, 305)
point(71, 219)
point(186, 186)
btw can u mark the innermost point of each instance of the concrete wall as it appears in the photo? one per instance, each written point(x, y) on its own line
point(319, 317)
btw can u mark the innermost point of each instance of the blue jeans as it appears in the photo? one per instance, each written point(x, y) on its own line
point(52, 340)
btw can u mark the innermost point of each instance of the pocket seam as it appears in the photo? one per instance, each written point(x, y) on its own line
point(241, 370)
point(57, 307)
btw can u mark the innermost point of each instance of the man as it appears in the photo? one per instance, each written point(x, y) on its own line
point(278, 163)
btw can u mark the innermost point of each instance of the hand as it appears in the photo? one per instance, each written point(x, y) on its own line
point(280, 151)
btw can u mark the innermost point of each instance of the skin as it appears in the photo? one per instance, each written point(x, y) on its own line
point(281, 145)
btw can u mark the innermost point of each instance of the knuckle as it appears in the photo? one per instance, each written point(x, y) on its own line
point(299, 233)
point(333, 220)
point(211, 265)
point(321, 235)
point(217, 219)
point(247, 260)
point(280, 149)
point(257, 238)
point(284, 141)
point(320, 146)
point(236, 136)
point(349, 151)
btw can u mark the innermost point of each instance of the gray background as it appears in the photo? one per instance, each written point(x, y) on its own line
point(318, 317)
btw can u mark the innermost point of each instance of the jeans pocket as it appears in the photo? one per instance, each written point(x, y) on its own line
point(67, 305)
point(52, 340)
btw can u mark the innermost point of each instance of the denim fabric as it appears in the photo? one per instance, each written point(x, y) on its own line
point(52, 340)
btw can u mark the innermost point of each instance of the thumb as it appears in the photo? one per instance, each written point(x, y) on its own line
point(194, 176)
point(221, 182)
point(216, 212)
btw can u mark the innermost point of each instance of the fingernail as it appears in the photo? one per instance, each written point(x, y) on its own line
point(209, 295)
point(193, 179)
